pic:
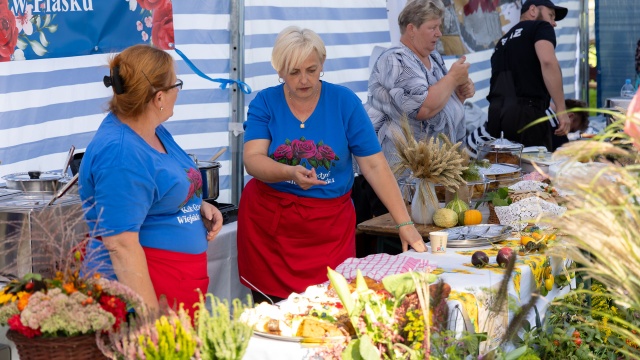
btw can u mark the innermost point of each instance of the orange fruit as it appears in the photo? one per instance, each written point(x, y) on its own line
point(536, 236)
point(524, 240)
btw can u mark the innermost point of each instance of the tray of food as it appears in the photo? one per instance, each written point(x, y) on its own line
point(312, 317)
point(477, 235)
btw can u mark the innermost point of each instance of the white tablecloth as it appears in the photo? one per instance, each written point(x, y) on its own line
point(222, 258)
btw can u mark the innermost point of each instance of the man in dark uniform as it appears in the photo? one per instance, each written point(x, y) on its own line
point(525, 75)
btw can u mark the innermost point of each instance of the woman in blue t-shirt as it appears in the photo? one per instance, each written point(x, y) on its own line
point(296, 216)
point(141, 192)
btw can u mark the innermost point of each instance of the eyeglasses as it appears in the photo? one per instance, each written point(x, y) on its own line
point(178, 85)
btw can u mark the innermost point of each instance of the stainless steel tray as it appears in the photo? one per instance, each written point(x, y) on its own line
point(476, 235)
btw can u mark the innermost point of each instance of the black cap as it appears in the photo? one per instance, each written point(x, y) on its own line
point(560, 11)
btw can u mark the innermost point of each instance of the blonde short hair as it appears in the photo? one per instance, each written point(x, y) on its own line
point(293, 46)
point(417, 12)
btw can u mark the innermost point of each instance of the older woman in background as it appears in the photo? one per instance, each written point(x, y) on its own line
point(411, 80)
point(296, 216)
point(141, 192)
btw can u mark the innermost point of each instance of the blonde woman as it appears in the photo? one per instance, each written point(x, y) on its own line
point(296, 216)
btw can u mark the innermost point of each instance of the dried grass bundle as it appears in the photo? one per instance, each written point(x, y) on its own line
point(434, 160)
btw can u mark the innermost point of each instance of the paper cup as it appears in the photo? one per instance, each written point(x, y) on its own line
point(438, 242)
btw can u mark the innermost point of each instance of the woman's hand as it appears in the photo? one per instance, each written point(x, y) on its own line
point(212, 219)
point(460, 71)
point(410, 236)
point(305, 178)
point(466, 90)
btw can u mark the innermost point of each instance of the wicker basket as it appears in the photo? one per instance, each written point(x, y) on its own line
point(493, 217)
point(82, 347)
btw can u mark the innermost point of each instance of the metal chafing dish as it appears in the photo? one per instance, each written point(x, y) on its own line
point(34, 234)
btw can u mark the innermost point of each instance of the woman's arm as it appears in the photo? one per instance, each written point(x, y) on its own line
point(265, 169)
point(441, 91)
point(377, 172)
point(130, 265)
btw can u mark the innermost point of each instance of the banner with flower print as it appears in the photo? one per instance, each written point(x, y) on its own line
point(36, 29)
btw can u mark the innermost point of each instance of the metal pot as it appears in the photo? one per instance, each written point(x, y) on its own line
point(33, 181)
point(210, 172)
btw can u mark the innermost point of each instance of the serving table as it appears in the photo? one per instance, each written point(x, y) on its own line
point(472, 292)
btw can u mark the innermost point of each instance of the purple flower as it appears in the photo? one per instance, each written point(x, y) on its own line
point(303, 149)
point(283, 152)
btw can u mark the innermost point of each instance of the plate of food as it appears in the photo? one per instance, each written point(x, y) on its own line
point(476, 235)
point(310, 317)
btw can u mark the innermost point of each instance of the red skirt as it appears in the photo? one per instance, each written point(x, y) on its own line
point(286, 242)
point(178, 276)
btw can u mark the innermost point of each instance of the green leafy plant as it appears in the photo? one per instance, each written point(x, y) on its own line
point(499, 197)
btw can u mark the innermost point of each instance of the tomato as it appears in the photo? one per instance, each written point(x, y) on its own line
point(577, 341)
point(576, 334)
point(28, 286)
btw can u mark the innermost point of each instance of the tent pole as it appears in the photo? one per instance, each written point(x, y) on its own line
point(583, 60)
point(236, 71)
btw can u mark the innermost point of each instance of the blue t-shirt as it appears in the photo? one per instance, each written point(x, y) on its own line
point(126, 185)
point(338, 128)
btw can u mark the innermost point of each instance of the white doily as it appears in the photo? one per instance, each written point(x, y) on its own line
point(533, 185)
point(528, 185)
point(518, 214)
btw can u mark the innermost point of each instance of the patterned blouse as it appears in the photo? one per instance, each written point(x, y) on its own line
point(399, 84)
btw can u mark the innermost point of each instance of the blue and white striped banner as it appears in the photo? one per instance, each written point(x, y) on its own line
point(48, 105)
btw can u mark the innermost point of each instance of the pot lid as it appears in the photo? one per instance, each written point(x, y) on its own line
point(33, 176)
point(502, 144)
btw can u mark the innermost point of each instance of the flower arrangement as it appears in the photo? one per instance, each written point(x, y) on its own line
point(430, 161)
point(215, 334)
point(65, 305)
point(294, 152)
point(391, 323)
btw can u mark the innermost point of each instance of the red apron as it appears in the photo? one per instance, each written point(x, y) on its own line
point(286, 242)
point(178, 276)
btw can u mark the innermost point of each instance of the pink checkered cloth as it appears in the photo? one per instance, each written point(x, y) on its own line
point(380, 265)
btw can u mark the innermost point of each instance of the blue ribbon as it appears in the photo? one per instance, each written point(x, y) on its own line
point(223, 82)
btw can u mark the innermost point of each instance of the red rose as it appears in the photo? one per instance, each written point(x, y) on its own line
point(151, 4)
point(283, 152)
point(325, 152)
point(8, 32)
point(195, 177)
point(303, 149)
point(162, 30)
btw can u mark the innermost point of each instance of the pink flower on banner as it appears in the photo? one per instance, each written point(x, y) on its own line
point(145, 36)
point(303, 149)
point(325, 152)
point(162, 33)
point(632, 124)
point(283, 152)
point(148, 21)
point(151, 4)
point(8, 32)
point(23, 21)
point(139, 25)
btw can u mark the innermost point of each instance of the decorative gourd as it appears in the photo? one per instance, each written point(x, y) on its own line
point(470, 217)
point(445, 218)
point(457, 205)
